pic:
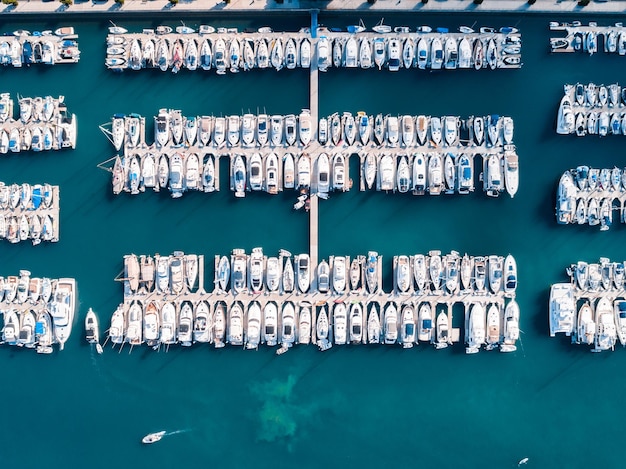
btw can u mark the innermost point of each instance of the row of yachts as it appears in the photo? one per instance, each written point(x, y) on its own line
point(228, 50)
point(33, 226)
point(37, 312)
point(589, 196)
point(593, 277)
point(250, 324)
point(23, 48)
point(35, 110)
point(440, 173)
point(587, 38)
point(254, 273)
point(16, 198)
point(599, 322)
point(588, 109)
point(171, 128)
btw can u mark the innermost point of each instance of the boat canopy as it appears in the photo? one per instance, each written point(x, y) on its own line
point(39, 328)
point(427, 324)
point(442, 30)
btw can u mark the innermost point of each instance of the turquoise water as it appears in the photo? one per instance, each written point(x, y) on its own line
point(354, 406)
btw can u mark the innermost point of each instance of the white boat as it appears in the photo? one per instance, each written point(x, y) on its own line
point(369, 170)
point(305, 53)
point(304, 323)
point(451, 53)
point(162, 128)
point(271, 174)
point(288, 325)
point(256, 270)
point(206, 55)
point(234, 55)
point(253, 326)
point(606, 332)
point(355, 274)
point(291, 54)
point(451, 126)
point(270, 324)
point(255, 169)
point(288, 277)
point(465, 53)
point(566, 121)
point(435, 269)
point(510, 275)
point(562, 309)
point(451, 271)
point(322, 328)
point(418, 180)
point(365, 127)
point(371, 271)
point(365, 53)
point(304, 171)
point(511, 327)
point(290, 129)
point(337, 52)
point(408, 130)
point(153, 437)
point(272, 274)
point(235, 325)
point(26, 336)
point(340, 324)
point(373, 324)
point(386, 173)
point(491, 54)
point(408, 53)
point(277, 54)
point(435, 174)
point(276, 130)
point(493, 327)
point(586, 327)
point(379, 52)
point(449, 173)
point(496, 273)
point(407, 326)
point(338, 172)
point(403, 273)
point(476, 328)
point(619, 307)
point(10, 331)
point(219, 325)
point(44, 336)
point(425, 324)
point(303, 273)
point(393, 130)
point(304, 127)
point(219, 56)
point(322, 131)
point(349, 127)
point(238, 271)
point(190, 130)
point(493, 182)
point(323, 173)
point(202, 323)
point(288, 171)
point(435, 131)
point(420, 272)
point(566, 199)
point(339, 274)
point(239, 176)
point(175, 183)
point(92, 330)
point(118, 131)
point(350, 53)
point(422, 52)
point(262, 54)
point(247, 55)
point(222, 276)
point(390, 323)
point(323, 54)
point(62, 308)
point(393, 55)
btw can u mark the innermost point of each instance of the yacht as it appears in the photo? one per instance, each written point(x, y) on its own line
point(435, 174)
point(262, 54)
point(223, 273)
point(408, 130)
point(235, 325)
point(288, 325)
point(322, 329)
point(365, 127)
point(393, 55)
point(303, 272)
point(92, 330)
point(443, 331)
point(255, 168)
point(10, 331)
point(566, 119)
point(586, 328)
point(234, 55)
point(219, 325)
point(276, 130)
point(349, 127)
point(408, 53)
point(420, 272)
point(304, 127)
point(419, 173)
point(451, 53)
point(451, 271)
point(386, 173)
point(118, 325)
point(390, 322)
point(369, 170)
point(393, 134)
point(304, 171)
point(465, 174)
point(162, 128)
point(323, 54)
point(407, 326)
point(277, 54)
point(562, 309)
point(206, 56)
point(465, 53)
point(151, 324)
point(422, 123)
point(566, 199)
point(239, 176)
point(619, 307)
point(148, 172)
point(511, 327)
point(233, 130)
point(256, 270)
point(26, 336)
point(379, 52)
point(338, 172)
point(436, 53)
point(219, 132)
point(435, 269)
point(425, 325)
point(422, 52)
point(176, 176)
point(288, 171)
point(373, 324)
point(238, 271)
point(270, 324)
point(435, 131)
point(184, 331)
point(305, 53)
point(350, 53)
point(272, 274)
point(371, 271)
point(202, 323)
point(449, 173)
point(365, 53)
point(247, 130)
point(476, 328)
point(339, 274)
point(510, 275)
point(262, 129)
point(323, 173)
point(511, 172)
point(44, 335)
point(290, 129)
point(62, 307)
point(403, 175)
point(192, 172)
point(606, 332)
point(493, 327)
point(290, 54)
point(323, 277)
point(253, 326)
point(493, 182)
point(219, 56)
point(322, 131)
point(496, 273)
point(340, 321)
point(304, 323)
point(355, 274)
point(403, 273)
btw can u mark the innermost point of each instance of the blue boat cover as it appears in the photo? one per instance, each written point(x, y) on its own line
point(427, 324)
point(442, 30)
point(622, 306)
point(39, 329)
point(36, 198)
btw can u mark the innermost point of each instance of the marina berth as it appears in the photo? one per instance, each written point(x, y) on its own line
point(256, 301)
point(584, 38)
point(21, 48)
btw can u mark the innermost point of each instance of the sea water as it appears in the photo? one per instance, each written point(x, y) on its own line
point(557, 404)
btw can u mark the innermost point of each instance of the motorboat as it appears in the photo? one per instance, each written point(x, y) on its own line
point(407, 326)
point(493, 182)
point(162, 128)
point(323, 173)
point(322, 131)
point(288, 325)
point(365, 53)
point(288, 171)
point(26, 335)
point(11, 329)
point(562, 309)
point(238, 271)
point(304, 171)
point(495, 264)
point(451, 271)
point(591, 42)
point(425, 324)
point(290, 129)
point(235, 325)
point(379, 52)
point(606, 331)
point(276, 130)
point(323, 53)
point(419, 173)
point(322, 328)
point(272, 274)
point(350, 59)
point(253, 326)
point(402, 273)
point(493, 327)
point(256, 270)
point(355, 274)
point(163, 173)
point(303, 273)
point(510, 275)
point(435, 174)
point(239, 176)
point(369, 170)
point(451, 53)
point(219, 56)
point(435, 131)
point(277, 54)
point(408, 53)
point(262, 129)
point(491, 54)
point(464, 53)
point(338, 172)
point(219, 325)
point(255, 169)
point(476, 328)
point(247, 55)
point(379, 129)
point(390, 323)
point(288, 276)
point(304, 127)
point(304, 323)
point(222, 276)
point(339, 274)
point(386, 173)
point(371, 272)
point(586, 327)
point(566, 199)
point(148, 173)
point(337, 52)
point(436, 53)
point(449, 173)
point(393, 55)
point(175, 183)
point(305, 53)
point(340, 323)
point(465, 174)
point(408, 130)
point(420, 272)
point(403, 175)
point(422, 52)
point(262, 54)
point(234, 55)
point(373, 325)
point(271, 174)
point(270, 324)
point(566, 121)
point(443, 331)
point(349, 127)
point(480, 273)
point(202, 323)
point(205, 58)
point(393, 131)
point(92, 330)
point(466, 272)
point(435, 269)
point(62, 308)
point(291, 54)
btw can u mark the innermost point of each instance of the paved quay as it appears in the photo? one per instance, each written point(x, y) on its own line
point(109, 7)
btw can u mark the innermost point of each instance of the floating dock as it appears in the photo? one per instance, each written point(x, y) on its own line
point(22, 49)
point(586, 38)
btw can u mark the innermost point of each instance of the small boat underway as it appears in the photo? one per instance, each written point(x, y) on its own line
point(153, 437)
